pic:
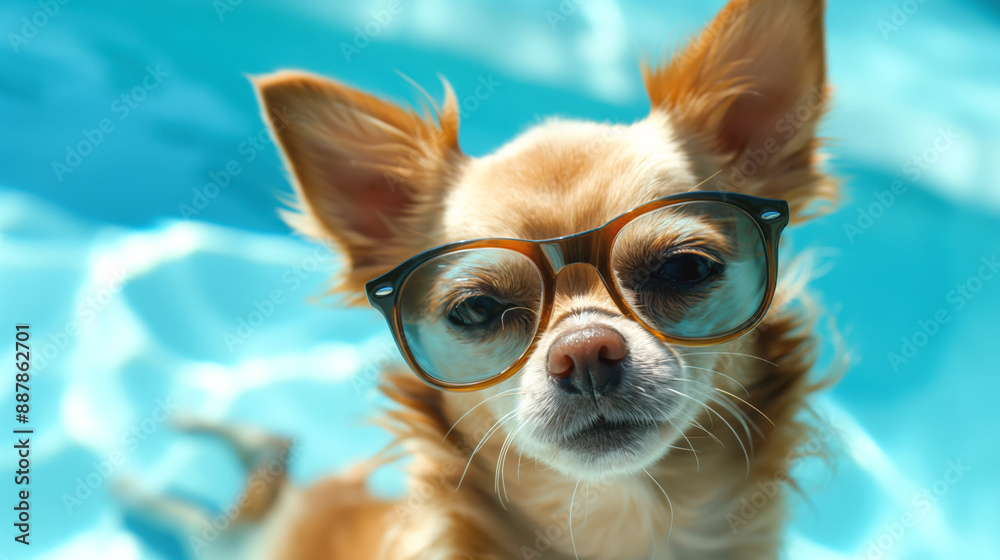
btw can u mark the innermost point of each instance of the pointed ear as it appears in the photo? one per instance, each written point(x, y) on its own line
point(370, 175)
point(751, 88)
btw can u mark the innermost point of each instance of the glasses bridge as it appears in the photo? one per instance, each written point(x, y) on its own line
point(580, 248)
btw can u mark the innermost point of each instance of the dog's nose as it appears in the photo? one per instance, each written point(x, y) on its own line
point(588, 360)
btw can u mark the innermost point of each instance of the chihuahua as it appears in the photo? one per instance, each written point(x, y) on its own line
point(604, 362)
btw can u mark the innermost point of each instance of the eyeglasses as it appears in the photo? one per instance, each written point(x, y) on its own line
point(694, 269)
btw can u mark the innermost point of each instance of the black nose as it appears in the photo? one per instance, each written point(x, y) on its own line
point(588, 360)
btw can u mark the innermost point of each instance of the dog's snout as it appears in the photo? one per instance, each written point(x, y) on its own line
point(588, 360)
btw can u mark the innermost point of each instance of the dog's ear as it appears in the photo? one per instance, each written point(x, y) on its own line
point(370, 175)
point(751, 89)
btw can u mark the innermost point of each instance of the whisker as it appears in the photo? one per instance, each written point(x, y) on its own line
point(697, 463)
point(738, 412)
point(740, 416)
point(498, 472)
point(730, 354)
point(739, 440)
point(519, 455)
point(745, 421)
point(501, 463)
point(696, 424)
point(746, 403)
point(705, 180)
point(737, 436)
point(669, 503)
point(722, 374)
point(686, 396)
point(573, 497)
point(416, 232)
point(710, 434)
point(510, 442)
point(513, 391)
point(482, 442)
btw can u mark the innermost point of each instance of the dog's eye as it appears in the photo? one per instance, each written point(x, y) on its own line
point(685, 270)
point(476, 311)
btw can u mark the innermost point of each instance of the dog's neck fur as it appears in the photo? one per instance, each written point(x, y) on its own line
point(613, 517)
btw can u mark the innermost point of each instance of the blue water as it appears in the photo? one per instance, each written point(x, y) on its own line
point(131, 297)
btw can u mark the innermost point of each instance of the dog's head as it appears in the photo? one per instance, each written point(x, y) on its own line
point(599, 393)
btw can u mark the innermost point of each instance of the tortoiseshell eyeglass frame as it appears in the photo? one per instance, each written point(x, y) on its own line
point(592, 247)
